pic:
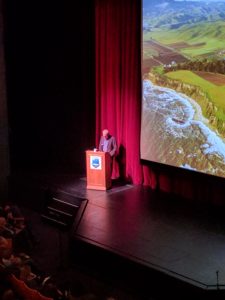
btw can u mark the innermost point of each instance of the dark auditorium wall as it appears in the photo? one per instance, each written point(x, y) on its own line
point(4, 155)
point(50, 84)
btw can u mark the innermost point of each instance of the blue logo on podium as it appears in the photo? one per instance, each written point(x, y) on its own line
point(95, 162)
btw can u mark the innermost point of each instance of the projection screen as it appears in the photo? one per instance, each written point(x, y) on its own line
point(183, 75)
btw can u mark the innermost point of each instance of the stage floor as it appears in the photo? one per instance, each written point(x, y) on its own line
point(185, 240)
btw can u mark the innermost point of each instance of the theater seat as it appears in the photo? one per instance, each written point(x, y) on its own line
point(24, 291)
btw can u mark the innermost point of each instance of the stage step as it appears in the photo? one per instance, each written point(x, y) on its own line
point(61, 208)
point(53, 220)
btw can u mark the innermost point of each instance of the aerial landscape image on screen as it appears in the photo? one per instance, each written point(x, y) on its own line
point(183, 75)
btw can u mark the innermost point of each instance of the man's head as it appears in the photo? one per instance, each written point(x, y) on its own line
point(105, 133)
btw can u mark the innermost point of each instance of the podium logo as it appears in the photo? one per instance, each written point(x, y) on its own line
point(95, 162)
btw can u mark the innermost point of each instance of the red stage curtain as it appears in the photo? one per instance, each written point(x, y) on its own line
point(118, 102)
point(118, 82)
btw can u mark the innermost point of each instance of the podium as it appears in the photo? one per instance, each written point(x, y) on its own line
point(98, 169)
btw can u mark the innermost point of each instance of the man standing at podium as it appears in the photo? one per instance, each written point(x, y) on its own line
point(108, 143)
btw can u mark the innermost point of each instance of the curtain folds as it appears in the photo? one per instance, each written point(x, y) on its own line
point(118, 81)
point(118, 102)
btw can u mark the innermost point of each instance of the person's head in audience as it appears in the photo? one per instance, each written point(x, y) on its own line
point(12, 261)
point(2, 224)
point(8, 213)
point(7, 208)
point(50, 290)
point(9, 295)
point(15, 260)
point(25, 272)
point(5, 250)
point(25, 259)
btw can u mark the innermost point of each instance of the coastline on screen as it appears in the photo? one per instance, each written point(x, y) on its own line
point(183, 90)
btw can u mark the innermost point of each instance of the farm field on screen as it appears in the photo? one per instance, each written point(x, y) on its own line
point(183, 69)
